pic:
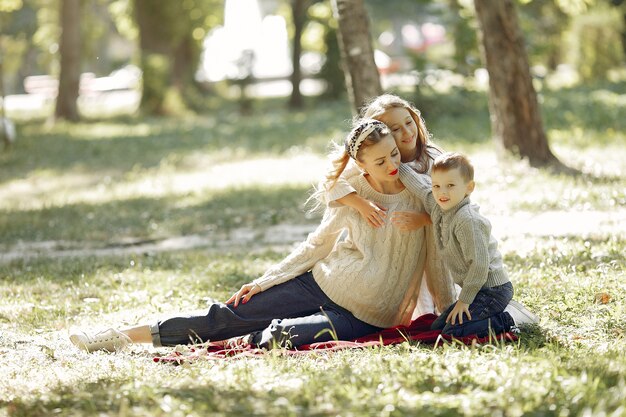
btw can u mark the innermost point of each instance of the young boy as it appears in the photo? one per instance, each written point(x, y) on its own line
point(465, 243)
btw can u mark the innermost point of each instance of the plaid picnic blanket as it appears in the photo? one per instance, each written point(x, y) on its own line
point(419, 330)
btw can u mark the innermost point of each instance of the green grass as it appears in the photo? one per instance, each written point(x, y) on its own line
point(105, 183)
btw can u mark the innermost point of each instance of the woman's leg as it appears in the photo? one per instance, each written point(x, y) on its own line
point(298, 297)
point(331, 323)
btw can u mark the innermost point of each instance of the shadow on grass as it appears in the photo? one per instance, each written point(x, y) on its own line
point(597, 107)
point(461, 116)
point(122, 396)
point(122, 145)
point(149, 218)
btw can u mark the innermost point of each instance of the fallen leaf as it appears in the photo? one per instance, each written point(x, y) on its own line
point(602, 298)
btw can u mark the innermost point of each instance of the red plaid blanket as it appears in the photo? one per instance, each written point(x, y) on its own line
point(418, 330)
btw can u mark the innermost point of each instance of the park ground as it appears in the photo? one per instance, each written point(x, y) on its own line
point(126, 219)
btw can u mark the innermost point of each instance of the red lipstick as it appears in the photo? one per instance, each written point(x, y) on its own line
point(394, 172)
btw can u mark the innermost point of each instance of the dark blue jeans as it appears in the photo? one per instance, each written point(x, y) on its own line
point(291, 314)
point(487, 312)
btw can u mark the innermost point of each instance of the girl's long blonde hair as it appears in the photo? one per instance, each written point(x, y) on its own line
point(426, 150)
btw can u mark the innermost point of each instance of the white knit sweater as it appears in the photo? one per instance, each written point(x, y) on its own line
point(375, 273)
point(437, 276)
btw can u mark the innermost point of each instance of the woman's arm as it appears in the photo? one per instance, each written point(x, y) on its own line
point(316, 247)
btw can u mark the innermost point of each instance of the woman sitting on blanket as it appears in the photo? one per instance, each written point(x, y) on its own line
point(346, 280)
point(417, 151)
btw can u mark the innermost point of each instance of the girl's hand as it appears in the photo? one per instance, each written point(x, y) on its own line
point(244, 294)
point(457, 312)
point(374, 214)
point(409, 220)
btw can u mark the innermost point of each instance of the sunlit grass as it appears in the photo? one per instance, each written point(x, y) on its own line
point(573, 363)
point(109, 182)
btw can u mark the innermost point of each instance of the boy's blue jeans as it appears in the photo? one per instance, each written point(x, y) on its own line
point(487, 312)
point(291, 314)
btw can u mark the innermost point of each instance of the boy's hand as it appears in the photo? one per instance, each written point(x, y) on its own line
point(372, 213)
point(456, 315)
point(409, 220)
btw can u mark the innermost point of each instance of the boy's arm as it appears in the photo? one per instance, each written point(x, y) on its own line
point(473, 237)
point(418, 184)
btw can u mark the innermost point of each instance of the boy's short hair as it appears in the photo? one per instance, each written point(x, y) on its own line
point(454, 160)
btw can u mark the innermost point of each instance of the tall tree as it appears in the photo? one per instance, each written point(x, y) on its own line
point(298, 13)
point(357, 52)
point(515, 117)
point(170, 40)
point(69, 49)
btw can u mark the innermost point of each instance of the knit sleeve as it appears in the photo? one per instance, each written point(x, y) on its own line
point(420, 185)
point(438, 279)
point(342, 187)
point(316, 247)
point(473, 237)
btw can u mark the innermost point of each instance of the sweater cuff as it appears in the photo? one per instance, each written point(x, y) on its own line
point(264, 282)
point(468, 294)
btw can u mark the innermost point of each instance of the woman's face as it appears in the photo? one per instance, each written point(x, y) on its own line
point(403, 129)
point(381, 160)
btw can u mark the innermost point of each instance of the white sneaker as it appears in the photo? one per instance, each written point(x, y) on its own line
point(520, 314)
point(110, 340)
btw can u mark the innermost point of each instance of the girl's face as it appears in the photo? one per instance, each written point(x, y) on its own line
point(403, 129)
point(381, 160)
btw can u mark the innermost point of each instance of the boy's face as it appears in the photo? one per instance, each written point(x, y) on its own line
point(449, 188)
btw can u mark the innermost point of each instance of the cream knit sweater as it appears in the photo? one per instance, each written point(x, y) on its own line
point(436, 274)
point(375, 273)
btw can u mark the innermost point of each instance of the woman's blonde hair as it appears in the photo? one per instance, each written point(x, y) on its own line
point(426, 150)
point(341, 156)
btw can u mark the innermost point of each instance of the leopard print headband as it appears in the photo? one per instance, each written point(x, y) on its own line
point(359, 134)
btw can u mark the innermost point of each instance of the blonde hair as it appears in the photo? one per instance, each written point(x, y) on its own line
point(425, 148)
point(453, 160)
point(340, 156)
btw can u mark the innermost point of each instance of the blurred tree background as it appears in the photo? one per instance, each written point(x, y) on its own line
point(182, 56)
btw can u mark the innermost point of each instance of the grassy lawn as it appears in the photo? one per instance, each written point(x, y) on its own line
point(120, 182)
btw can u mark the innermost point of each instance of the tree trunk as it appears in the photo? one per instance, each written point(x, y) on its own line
point(361, 74)
point(69, 49)
point(515, 117)
point(298, 12)
point(155, 44)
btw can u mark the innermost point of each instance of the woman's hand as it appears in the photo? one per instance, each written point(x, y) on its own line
point(410, 220)
point(372, 213)
point(457, 312)
point(244, 294)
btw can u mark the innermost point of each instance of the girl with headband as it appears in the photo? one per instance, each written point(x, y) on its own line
point(346, 280)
